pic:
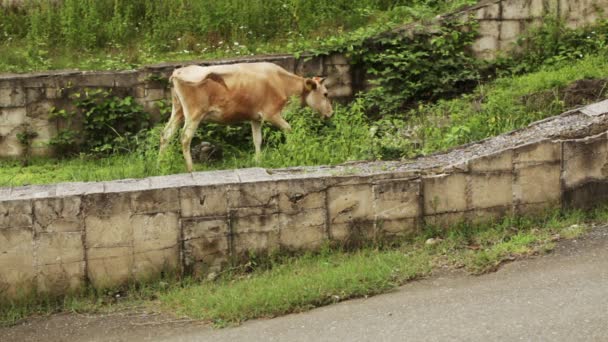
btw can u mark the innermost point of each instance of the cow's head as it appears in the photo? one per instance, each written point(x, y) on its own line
point(316, 96)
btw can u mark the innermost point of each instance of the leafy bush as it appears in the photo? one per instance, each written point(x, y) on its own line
point(431, 64)
point(110, 124)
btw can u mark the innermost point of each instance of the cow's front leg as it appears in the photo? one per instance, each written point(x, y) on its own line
point(256, 131)
point(187, 135)
point(280, 123)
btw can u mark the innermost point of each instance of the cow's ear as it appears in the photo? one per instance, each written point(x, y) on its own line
point(310, 84)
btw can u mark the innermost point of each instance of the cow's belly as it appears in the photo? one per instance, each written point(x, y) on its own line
point(223, 117)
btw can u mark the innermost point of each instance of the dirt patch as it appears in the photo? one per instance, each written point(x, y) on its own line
point(578, 93)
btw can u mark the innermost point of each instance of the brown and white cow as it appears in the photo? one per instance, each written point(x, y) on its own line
point(234, 93)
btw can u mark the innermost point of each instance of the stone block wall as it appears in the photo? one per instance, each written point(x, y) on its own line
point(58, 238)
point(502, 22)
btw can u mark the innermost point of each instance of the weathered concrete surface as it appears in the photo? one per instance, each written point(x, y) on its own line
point(25, 100)
point(56, 238)
point(558, 297)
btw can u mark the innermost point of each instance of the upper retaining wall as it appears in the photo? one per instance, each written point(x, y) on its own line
point(57, 238)
point(27, 99)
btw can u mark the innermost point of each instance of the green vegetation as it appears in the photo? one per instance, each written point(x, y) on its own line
point(503, 105)
point(415, 108)
point(279, 284)
point(120, 34)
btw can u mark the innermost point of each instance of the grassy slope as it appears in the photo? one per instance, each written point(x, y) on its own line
point(121, 34)
point(492, 109)
point(281, 284)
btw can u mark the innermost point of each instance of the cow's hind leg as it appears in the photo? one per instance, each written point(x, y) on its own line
point(177, 117)
point(256, 130)
point(187, 135)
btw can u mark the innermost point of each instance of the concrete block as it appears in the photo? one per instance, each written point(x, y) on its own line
point(153, 94)
point(444, 193)
point(488, 12)
point(155, 201)
point(397, 199)
point(151, 264)
point(224, 177)
point(259, 194)
point(17, 271)
point(126, 185)
point(398, 227)
point(255, 242)
point(40, 109)
point(536, 208)
point(585, 160)
point(488, 215)
point(58, 248)
point(337, 59)
point(53, 93)
point(10, 118)
point(206, 245)
point(155, 231)
point(33, 192)
point(340, 91)
point(113, 231)
point(171, 181)
point(538, 152)
point(310, 68)
point(306, 229)
point(59, 279)
point(12, 97)
point(300, 195)
point(537, 9)
point(537, 184)
point(10, 145)
point(491, 190)
point(251, 221)
point(516, 9)
point(78, 189)
point(139, 92)
point(97, 79)
point(510, 30)
point(288, 63)
point(106, 204)
point(108, 220)
point(445, 220)
point(498, 162)
point(125, 79)
point(109, 267)
point(57, 215)
point(338, 75)
point(353, 234)
point(203, 201)
point(482, 48)
point(34, 94)
point(15, 214)
point(350, 203)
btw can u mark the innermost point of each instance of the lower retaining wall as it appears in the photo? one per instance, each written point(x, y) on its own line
point(58, 238)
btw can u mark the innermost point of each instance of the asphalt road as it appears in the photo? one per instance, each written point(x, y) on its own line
point(559, 297)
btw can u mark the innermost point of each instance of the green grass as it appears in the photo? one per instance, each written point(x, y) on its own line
point(120, 34)
point(280, 284)
point(501, 106)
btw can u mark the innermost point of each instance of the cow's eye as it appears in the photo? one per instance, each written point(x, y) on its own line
point(325, 94)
